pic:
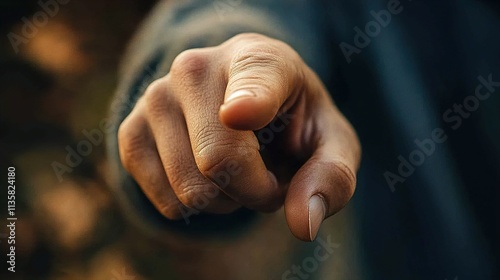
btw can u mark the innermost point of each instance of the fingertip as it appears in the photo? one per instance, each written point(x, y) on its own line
point(317, 191)
point(305, 217)
point(297, 217)
point(246, 110)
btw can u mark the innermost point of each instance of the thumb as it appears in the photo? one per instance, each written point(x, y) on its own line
point(262, 76)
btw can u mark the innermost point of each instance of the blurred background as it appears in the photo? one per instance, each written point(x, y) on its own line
point(56, 85)
point(57, 78)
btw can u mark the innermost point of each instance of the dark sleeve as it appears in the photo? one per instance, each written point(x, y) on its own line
point(173, 27)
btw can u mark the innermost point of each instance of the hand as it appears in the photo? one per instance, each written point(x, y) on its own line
point(190, 141)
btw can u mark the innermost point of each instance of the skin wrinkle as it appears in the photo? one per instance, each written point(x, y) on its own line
point(263, 239)
point(245, 191)
point(157, 95)
point(206, 137)
point(189, 99)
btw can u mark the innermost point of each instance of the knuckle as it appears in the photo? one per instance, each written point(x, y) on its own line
point(153, 94)
point(215, 153)
point(193, 194)
point(190, 65)
point(154, 88)
point(217, 162)
point(258, 54)
point(211, 164)
point(190, 189)
point(248, 35)
point(251, 61)
point(129, 143)
point(251, 37)
point(208, 137)
point(157, 100)
point(263, 48)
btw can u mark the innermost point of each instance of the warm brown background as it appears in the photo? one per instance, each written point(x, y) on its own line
point(59, 84)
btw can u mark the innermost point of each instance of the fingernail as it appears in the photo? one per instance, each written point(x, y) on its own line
point(239, 94)
point(316, 215)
